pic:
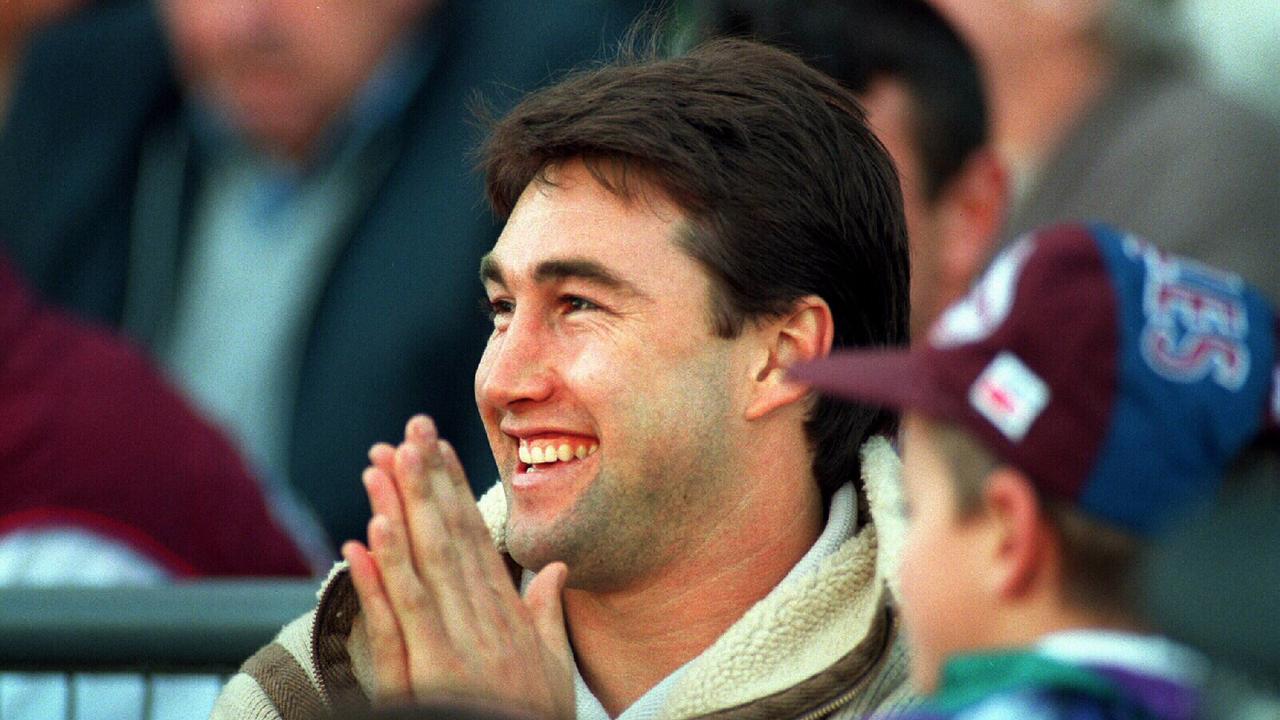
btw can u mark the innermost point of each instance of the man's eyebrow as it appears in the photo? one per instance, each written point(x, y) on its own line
point(560, 269)
point(549, 271)
point(491, 270)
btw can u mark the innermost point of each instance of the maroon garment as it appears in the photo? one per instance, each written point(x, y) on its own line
point(91, 436)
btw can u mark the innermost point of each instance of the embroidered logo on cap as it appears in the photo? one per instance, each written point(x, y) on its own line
point(1196, 321)
point(987, 304)
point(1010, 395)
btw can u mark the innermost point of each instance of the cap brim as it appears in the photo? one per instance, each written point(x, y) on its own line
point(895, 379)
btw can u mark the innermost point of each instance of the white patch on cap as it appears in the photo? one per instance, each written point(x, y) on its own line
point(1010, 395)
point(984, 308)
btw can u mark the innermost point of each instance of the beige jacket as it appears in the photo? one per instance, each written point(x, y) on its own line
point(824, 646)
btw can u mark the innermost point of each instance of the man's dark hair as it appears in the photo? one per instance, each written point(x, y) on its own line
point(787, 193)
point(861, 41)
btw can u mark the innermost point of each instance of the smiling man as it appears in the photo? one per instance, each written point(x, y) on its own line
point(580, 325)
point(695, 535)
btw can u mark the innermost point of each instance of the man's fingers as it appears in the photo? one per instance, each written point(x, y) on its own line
point(412, 460)
point(456, 503)
point(382, 456)
point(543, 598)
point(454, 549)
point(414, 602)
point(489, 587)
point(383, 496)
point(386, 639)
point(443, 520)
point(452, 472)
point(489, 566)
point(462, 620)
point(442, 564)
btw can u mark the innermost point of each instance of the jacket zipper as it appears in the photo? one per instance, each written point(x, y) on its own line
point(848, 695)
point(836, 704)
point(320, 685)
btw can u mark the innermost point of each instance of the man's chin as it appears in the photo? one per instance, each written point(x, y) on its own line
point(532, 544)
point(529, 553)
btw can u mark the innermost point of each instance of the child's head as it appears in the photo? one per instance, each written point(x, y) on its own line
point(1088, 390)
point(990, 561)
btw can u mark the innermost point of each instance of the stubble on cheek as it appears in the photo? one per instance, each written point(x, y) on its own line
point(662, 471)
point(607, 537)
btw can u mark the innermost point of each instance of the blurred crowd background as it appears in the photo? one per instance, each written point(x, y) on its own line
point(239, 238)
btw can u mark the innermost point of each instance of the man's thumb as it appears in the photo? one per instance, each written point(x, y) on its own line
point(542, 597)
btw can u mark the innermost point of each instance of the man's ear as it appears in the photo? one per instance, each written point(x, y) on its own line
point(804, 333)
point(1020, 555)
point(974, 203)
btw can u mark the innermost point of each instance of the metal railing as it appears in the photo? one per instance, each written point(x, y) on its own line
point(153, 653)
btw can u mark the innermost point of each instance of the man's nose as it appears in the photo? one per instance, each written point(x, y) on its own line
point(517, 365)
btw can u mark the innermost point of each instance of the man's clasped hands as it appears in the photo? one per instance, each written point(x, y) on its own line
point(441, 612)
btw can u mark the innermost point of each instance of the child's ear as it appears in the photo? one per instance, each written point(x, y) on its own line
point(804, 333)
point(1019, 556)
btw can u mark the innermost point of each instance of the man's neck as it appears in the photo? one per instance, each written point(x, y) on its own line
point(1026, 624)
point(627, 641)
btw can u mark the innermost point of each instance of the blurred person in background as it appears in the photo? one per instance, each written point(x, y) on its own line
point(112, 478)
point(110, 474)
point(924, 99)
point(275, 197)
point(1100, 114)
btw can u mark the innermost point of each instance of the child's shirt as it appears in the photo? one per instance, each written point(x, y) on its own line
point(1077, 675)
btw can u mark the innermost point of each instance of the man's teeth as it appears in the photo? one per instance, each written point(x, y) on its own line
point(563, 452)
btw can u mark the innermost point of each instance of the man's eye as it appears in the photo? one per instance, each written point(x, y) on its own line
point(496, 309)
point(575, 303)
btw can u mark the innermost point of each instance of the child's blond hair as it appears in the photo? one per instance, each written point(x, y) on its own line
point(1099, 562)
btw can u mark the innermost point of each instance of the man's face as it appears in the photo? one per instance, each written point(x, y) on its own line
point(942, 599)
point(281, 70)
point(603, 358)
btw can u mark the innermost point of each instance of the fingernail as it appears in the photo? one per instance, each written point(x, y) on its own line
point(421, 426)
point(379, 450)
point(367, 476)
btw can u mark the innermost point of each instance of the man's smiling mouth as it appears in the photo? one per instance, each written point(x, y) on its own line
point(543, 452)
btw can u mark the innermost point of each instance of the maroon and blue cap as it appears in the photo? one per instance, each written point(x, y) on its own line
point(1116, 376)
